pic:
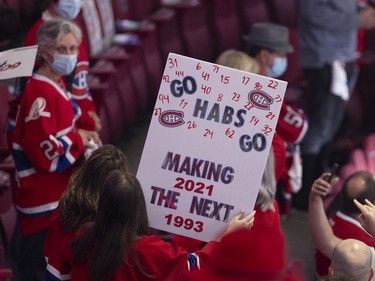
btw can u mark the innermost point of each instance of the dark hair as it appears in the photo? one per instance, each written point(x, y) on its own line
point(347, 205)
point(252, 50)
point(79, 203)
point(121, 220)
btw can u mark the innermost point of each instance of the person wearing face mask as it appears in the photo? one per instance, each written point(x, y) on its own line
point(47, 144)
point(268, 43)
point(76, 81)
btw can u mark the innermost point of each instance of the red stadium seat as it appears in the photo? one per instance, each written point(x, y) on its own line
point(284, 12)
point(152, 58)
point(196, 37)
point(111, 98)
point(168, 35)
point(224, 24)
point(253, 11)
point(133, 9)
point(98, 91)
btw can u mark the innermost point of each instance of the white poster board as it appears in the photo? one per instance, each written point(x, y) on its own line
point(207, 145)
point(17, 62)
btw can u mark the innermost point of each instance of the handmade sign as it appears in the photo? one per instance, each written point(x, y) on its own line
point(207, 145)
point(17, 62)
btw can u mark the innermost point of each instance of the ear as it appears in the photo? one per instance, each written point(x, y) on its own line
point(371, 274)
point(47, 56)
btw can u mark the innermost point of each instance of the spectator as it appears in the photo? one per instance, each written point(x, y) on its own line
point(46, 144)
point(332, 246)
point(268, 43)
point(344, 222)
point(78, 205)
point(127, 252)
point(327, 40)
point(76, 81)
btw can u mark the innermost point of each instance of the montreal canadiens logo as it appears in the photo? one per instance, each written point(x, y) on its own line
point(171, 118)
point(260, 99)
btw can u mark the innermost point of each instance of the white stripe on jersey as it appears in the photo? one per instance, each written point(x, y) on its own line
point(38, 209)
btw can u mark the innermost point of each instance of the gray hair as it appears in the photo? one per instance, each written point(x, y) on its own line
point(267, 188)
point(50, 32)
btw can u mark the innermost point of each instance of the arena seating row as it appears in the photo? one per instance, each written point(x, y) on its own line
point(135, 38)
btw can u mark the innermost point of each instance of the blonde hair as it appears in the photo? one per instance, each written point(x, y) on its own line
point(238, 60)
point(267, 188)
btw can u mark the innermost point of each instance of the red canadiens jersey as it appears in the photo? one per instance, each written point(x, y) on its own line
point(57, 250)
point(292, 124)
point(46, 146)
point(79, 88)
point(157, 258)
point(343, 227)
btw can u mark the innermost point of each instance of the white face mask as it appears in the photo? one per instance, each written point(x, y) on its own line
point(278, 68)
point(64, 64)
point(68, 9)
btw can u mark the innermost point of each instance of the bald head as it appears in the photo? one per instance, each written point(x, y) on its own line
point(360, 185)
point(352, 258)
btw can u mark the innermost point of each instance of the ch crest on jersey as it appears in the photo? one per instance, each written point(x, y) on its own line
point(79, 87)
point(37, 110)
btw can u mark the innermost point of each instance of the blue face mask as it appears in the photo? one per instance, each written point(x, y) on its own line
point(64, 64)
point(278, 68)
point(68, 9)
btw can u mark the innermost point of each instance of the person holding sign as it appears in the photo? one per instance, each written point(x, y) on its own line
point(46, 145)
point(78, 205)
point(127, 252)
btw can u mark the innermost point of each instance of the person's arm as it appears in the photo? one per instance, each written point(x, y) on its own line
point(237, 222)
point(321, 231)
point(367, 218)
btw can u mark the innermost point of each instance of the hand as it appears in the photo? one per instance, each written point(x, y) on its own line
point(238, 222)
point(367, 218)
point(87, 136)
point(321, 188)
point(98, 123)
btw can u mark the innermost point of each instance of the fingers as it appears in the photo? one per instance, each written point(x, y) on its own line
point(361, 207)
point(368, 202)
point(250, 219)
